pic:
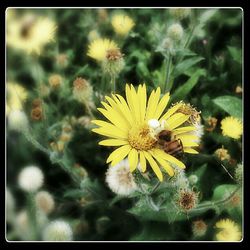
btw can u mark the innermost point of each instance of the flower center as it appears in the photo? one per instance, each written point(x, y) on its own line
point(139, 137)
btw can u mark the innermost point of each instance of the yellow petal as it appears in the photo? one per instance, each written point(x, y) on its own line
point(189, 144)
point(114, 117)
point(164, 164)
point(152, 103)
point(123, 108)
point(190, 151)
point(154, 165)
point(183, 130)
point(130, 101)
point(119, 154)
point(161, 154)
point(135, 103)
point(112, 142)
point(176, 120)
point(113, 133)
point(170, 111)
point(162, 105)
point(133, 159)
point(187, 138)
point(143, 162)
point(142, 96)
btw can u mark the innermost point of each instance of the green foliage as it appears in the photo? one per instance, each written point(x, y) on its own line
point(203, 69)
point(231, 104)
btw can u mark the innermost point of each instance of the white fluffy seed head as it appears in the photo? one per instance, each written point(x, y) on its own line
point(30, 179)
point(45, 202)
point(18, 121)
point(58, 230)
point(120, 180)
point(175, 32)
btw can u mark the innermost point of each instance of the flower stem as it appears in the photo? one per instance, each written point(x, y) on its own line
point(32, 216)
point(113, 83)
point(169, 62)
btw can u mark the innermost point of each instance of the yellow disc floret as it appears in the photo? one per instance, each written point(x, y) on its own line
point(139, 138)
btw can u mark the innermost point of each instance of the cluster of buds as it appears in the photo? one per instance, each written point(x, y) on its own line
point(222, 154)
point(211, 123)
point(37, 110)
point(55, 81)
point(64, 138)
point(114, 62)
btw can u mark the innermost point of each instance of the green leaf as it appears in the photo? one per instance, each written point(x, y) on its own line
point(236, 54)
point(74, 193)
point(230, 104)
point(184, 89)
point(186, 64)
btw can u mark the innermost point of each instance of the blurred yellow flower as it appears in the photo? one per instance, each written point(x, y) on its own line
point(97, 49)
point(229, 230)
point(133, 127)
point(30, 33)
point(232, 127)
point(122, 24)
point(16, 96)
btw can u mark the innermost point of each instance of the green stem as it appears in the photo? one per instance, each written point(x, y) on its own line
point(220, 202)
point(166, 87)
point(113, 83)
point(32, 216)
point(156, 187)
point(35, 143)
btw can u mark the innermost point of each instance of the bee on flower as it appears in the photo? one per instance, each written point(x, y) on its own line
point(129, 130)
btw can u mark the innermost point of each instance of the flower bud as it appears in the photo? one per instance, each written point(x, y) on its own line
point(175, 32)
point(55, 81)
point(45, 202)
point(199, 228)
point(82, 90)
point(113, 63)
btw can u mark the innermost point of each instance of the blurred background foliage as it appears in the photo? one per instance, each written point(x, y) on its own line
point(205, 74)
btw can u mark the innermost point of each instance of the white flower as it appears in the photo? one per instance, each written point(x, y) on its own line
point(175, 31)
point(120, 180)
point(45, 202)
point(58, 230)
point(17, 120)
point(30, 179)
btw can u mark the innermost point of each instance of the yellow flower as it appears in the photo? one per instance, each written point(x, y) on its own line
point(229, 231)
point(16, 96)
point(30, 33)
point(133, 126)
point(98, 48)
point(231, 127)
point(122, 24)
